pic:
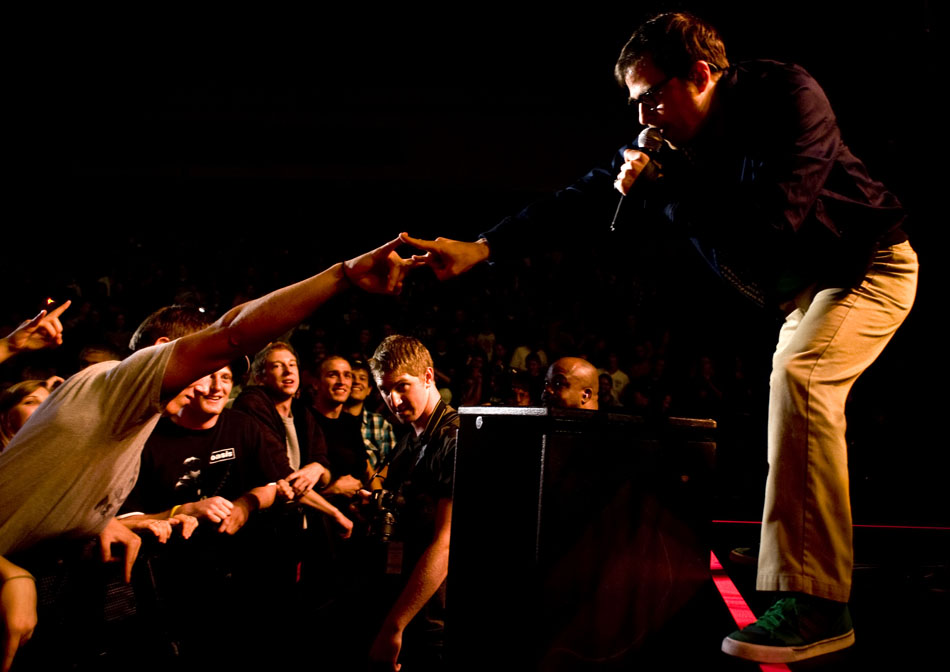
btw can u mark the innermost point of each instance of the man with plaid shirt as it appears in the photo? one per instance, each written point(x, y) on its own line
point(378, 434)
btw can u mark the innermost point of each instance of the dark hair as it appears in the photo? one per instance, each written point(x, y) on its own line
point(522, 380)
point(170, 322)
point(9, 398)
point(674, 42)
point(330, 358)
point(107, 348)
point(260, 359)
point(360, 365)
point(400, 354)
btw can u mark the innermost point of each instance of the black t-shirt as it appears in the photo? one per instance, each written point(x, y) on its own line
point(182, 465)
point(422, 470)
point(345, 447)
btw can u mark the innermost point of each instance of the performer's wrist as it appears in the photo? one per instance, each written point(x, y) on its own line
point(346, 276)
point(484, 249)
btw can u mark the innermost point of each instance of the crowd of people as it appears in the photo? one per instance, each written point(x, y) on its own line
point(750, 170)
point(208, 495)
point(186, 517)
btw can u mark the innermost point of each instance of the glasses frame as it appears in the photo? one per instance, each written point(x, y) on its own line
point(648, 97)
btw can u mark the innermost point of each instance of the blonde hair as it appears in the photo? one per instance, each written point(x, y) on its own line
point(400, 354)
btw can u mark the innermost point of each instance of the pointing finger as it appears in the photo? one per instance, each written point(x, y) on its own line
point(59, 310)
point(427, 245)
point(131, 552)
point(389, 247)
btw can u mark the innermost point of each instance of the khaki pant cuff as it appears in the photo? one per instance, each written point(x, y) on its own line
point(791, 583)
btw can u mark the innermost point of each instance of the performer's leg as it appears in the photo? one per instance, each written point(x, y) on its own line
point(825, 344)
point(823, 347)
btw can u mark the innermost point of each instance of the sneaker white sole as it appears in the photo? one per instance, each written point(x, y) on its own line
point(786, 654)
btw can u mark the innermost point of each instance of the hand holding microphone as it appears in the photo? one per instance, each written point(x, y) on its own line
point(638, 166)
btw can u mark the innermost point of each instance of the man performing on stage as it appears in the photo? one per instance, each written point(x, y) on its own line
point(755, 173)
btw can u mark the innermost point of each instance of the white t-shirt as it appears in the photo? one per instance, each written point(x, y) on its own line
point(73, 463)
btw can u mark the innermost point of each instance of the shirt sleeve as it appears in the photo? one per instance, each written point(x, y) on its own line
point(317, 450)
point(135, 388)
point(554, 220)
point(270, 456)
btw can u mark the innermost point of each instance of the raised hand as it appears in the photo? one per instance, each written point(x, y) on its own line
point(381, 271)
point(446, 257)
point(43, 331)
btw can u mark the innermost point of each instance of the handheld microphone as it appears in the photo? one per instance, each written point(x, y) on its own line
point(649, 141)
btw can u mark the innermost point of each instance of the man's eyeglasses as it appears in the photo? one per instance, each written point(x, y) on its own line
point(648, 97)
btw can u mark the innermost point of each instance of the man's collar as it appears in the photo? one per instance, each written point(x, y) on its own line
point(434, 419)
point(195, 426)
point(715, 124)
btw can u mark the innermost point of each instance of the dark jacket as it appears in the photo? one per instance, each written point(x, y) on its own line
point(257, 402)
point(767, 192)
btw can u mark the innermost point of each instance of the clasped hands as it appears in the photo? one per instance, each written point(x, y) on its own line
point(383, 270)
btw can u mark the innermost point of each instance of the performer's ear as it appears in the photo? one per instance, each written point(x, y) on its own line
point(700, 74)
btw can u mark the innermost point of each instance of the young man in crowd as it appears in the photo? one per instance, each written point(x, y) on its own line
point(343, 432)
point(292, 426)
point(421, 471)
point(378, 435)
point(213, 466)
point(70, 467)
point(204, 461)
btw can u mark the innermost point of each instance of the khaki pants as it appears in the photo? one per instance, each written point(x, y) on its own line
point(827, 341)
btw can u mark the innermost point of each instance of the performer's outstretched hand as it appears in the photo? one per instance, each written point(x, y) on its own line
point(381, 271)
point(446, 257)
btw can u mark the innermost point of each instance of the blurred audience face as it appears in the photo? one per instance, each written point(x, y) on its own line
point(606, 385)
point(20, 412)
point(520, 395)
point(280, 373)
point(360, 385)
point(534, 365)
point(335, 381)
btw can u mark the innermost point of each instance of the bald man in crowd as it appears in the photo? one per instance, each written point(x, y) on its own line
point(571, 382)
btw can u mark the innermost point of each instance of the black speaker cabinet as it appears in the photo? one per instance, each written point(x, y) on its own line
point(576, 535)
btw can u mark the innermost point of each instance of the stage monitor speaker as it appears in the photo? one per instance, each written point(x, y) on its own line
point(576, 535)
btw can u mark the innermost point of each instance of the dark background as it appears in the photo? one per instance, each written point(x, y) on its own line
point(441, 120)
point(169, 139)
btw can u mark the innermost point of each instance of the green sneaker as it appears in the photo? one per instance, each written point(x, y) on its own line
point(794, 628)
